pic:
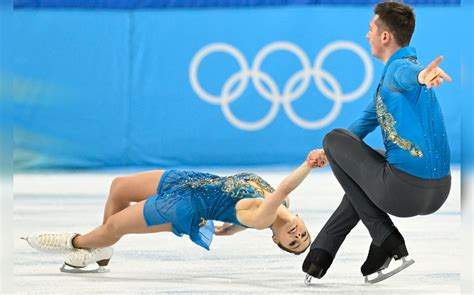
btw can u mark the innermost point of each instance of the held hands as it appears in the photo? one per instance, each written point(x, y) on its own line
point(316, 158)
point(433, 75)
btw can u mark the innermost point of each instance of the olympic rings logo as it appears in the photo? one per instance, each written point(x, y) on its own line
point(290, 93)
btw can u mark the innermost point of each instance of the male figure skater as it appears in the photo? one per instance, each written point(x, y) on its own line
point(412, 177)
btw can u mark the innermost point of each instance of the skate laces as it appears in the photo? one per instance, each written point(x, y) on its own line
point(53, 241)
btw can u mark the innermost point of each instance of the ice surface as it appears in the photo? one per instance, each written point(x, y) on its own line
point(247, 262)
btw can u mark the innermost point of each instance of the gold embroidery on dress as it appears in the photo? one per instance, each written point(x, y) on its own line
point(235, 186)
point(387, 122)
point(202, 222)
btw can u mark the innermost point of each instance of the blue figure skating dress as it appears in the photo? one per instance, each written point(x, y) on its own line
point(190, 201)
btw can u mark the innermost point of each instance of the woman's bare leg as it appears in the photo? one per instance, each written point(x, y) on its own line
point(127, 221)
point(132, 188)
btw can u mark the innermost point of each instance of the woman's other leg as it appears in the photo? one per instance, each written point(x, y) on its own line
point(129, 220)
point(132, 188)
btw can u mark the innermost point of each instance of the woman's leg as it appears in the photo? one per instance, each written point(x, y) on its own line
point(129, 220)
point(132, 188)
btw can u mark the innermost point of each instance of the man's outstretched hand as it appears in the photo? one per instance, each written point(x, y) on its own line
point(317, 158)
point(433, 75)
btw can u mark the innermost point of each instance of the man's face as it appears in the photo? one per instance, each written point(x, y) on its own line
point(375, 38)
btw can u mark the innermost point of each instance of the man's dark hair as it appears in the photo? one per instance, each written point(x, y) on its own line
point(291, 251)
point(398, 19)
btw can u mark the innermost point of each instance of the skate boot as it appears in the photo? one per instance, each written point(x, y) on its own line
point(379, 258)
point(316, 263)
point(51, 242)
point(81, 258)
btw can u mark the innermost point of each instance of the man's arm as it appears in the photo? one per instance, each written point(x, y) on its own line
point(402, 75)
point(405, 75)
point(366, 123)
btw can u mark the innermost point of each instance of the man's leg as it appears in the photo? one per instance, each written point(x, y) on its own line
point(341, 222)
point(330, 238)
point(361, 172)
point(375, 220)
point(373, 190)
point(355, 205)
point(346, 153)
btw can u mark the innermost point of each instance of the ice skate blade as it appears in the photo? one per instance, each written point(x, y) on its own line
point(26, 240)
point(69, 269)
point(307, 280)
point(386, 264)
point(383, 276)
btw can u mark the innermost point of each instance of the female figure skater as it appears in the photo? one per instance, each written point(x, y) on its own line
point(186, 202)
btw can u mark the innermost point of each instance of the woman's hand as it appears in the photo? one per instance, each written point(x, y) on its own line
point(222, 230)
point(317, 158)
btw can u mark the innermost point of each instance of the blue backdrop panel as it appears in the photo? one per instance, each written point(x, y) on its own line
point(207, 87)
point(67, 74)
point(201, 132)
point(126, 4)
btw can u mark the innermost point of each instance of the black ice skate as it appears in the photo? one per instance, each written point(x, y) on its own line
point(316, 263)
point(379, 258)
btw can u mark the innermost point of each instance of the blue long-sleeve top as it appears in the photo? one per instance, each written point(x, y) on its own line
point(410, 118)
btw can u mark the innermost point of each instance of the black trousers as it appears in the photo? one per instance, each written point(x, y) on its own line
point(373, 188)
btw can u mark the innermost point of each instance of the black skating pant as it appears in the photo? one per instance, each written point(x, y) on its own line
point(373, 188)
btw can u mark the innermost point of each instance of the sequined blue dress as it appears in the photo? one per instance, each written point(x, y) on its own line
point(190, 201)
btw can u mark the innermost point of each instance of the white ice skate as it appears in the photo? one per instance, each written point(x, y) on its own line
point(77, 260)
point(51, 242)
point(383, 276)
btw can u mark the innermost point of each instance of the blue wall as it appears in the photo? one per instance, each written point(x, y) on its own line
point(94, 89)
point(161, 4)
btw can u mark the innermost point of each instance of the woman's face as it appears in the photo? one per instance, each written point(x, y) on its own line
point(293, 235)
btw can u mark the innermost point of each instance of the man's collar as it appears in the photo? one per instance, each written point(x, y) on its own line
point(401, 53)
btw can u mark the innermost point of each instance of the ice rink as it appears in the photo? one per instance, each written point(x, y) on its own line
point(247, 262)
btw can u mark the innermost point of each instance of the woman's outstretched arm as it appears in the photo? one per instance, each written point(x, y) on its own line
point(268, 208)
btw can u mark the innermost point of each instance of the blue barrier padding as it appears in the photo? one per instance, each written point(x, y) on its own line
point(161, 4)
